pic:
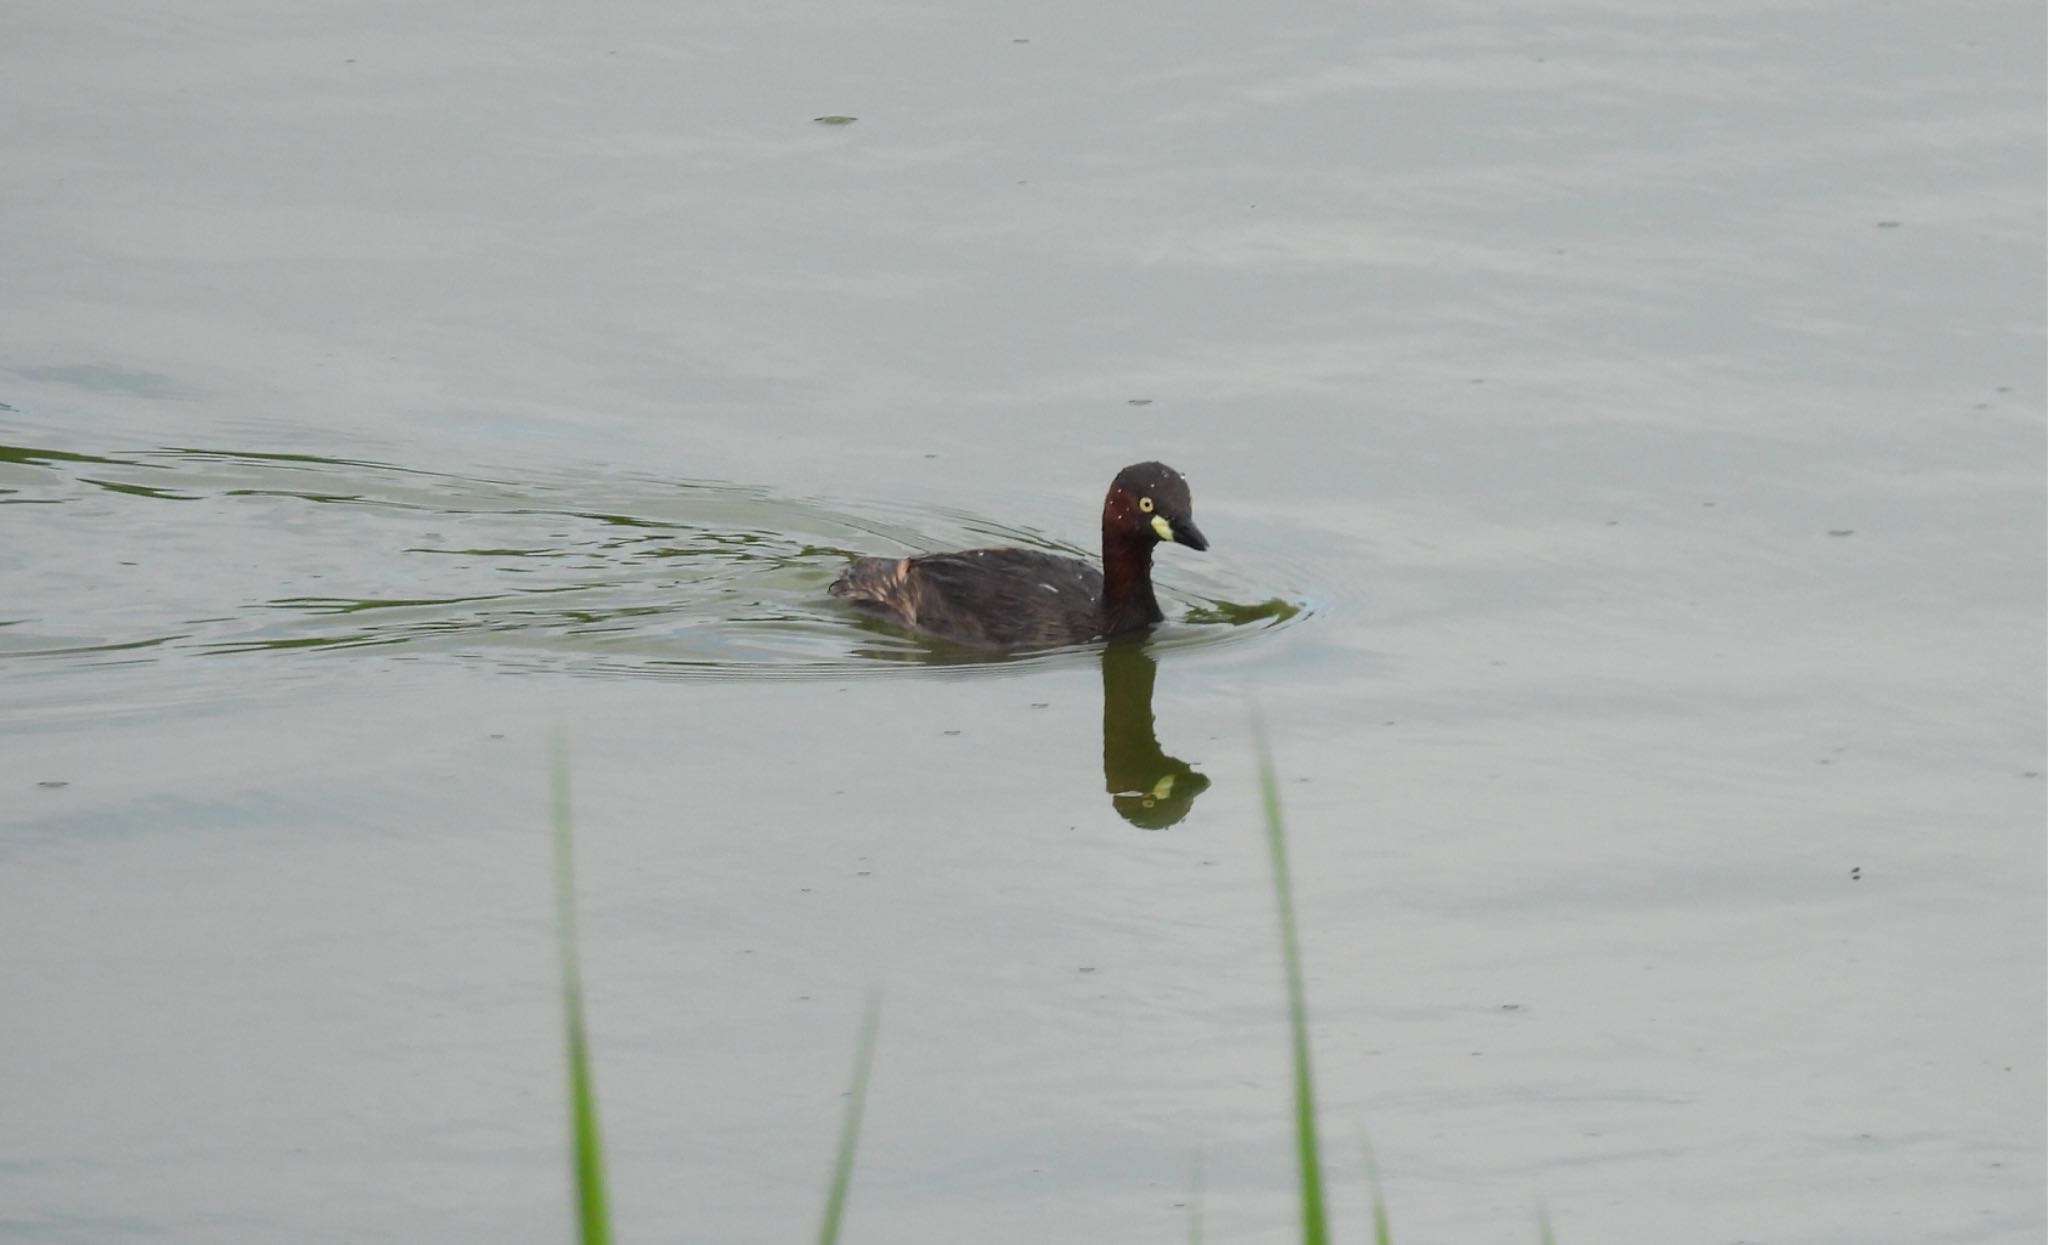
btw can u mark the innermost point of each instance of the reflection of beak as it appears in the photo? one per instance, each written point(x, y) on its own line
point(1188, 534)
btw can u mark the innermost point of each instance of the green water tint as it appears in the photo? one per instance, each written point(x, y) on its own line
point(273, 552)
point(141, 490)
point(30, 457)
point(1228, 613)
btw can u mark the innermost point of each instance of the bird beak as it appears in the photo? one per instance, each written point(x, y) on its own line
point(1188, 534)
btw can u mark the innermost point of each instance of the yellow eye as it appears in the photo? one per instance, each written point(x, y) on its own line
point(1145, 504)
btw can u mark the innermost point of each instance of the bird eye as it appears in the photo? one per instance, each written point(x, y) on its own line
point(1145, 504)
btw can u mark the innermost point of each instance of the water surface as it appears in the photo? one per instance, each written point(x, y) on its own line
point(1620, 433)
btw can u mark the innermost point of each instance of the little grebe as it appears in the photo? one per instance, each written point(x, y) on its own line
point(1014, 598)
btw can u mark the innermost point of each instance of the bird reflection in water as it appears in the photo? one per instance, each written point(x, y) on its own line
point(1149, 789)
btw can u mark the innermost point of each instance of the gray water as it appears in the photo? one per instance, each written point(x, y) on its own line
point(1619, 428)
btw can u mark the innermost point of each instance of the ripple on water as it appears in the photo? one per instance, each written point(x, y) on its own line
point(188, 553)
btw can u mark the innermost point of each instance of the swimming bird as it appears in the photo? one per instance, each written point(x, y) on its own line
point(1027, 598)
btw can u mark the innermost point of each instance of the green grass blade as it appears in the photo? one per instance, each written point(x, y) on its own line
point(1543, 1224)
point(849, 1128)
point(1382, 1229)
point(1195, 1202)
point(593, 1221)
point(1315, 1228)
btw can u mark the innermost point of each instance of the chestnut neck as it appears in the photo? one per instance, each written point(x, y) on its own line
point(1127, 600)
